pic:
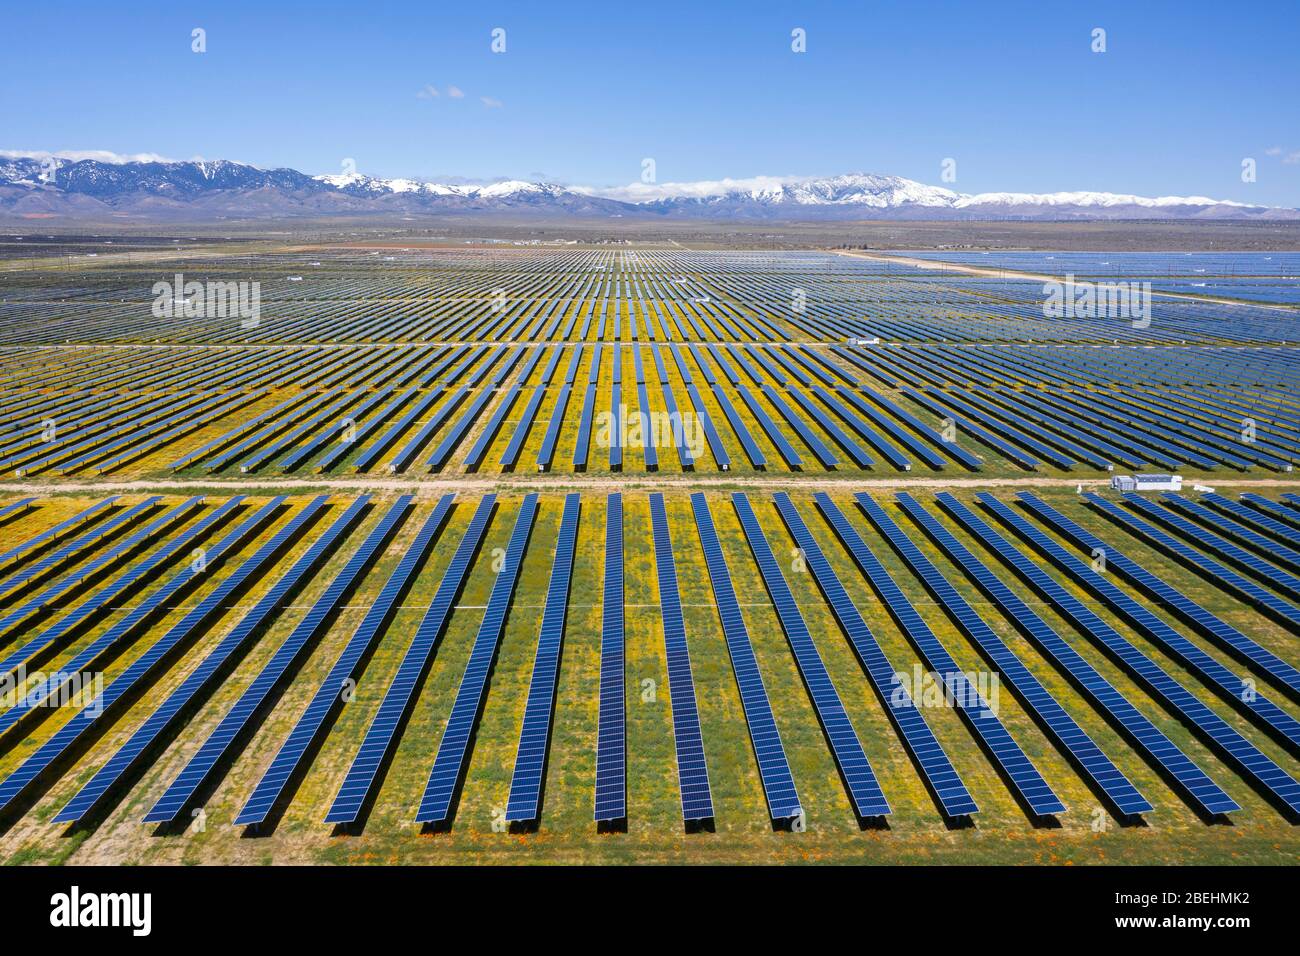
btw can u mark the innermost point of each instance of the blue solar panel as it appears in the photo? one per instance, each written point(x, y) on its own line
point(524, 801)
point(39, 693)
point(611, 727)
point(980, 717)
point(872, 437)
point(206, 674)
point(52, 592)
point(773, 768)
point(920, 741)
point(1282, 580)
point(239, 720)
point(442, 452)
point(15, 508)
point(68, 551)
point(1193, 781)
point(752, 451)
point(547, 451)
point(1219, 574)
point(371, 453)
point(839, 435)
point(475, 456)
point(1285, 512)
point(1226, 636)
point(393, 708)
point(864, 789)
point(1176, 697)
point(718, 449)
point(616, 424)
point(1236, 747)
point(449, 764)
point(806, 434)
point(330, 694)
point(511, 455)
point(692, 770)
point(584, 425)
point(1253, 516)
point(146, 663)
point(1276, 552)
point(1036, 698)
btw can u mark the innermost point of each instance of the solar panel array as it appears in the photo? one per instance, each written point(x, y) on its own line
point(611, 727)
point(203, 668)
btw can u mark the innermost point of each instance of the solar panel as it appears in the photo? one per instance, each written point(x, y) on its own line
point(101, 560)
point(806, 434)
point(1275, 551)
point(51, 684)
point(516, 443)
point(1211, 542)
point(615, 427)
point(239, 720)
point(1163, 687)
point(449, 763)
point(524, 801)
point(371, 453)
point(1285, 512)
point(139, 669)
point(719, 450)
point(489, 432)
point(68, 551)
point(584, 424)
point(752, 451)
point(547, 451)
point(980, 716)
point(15, 508)
point(648, 450)
point(1087, 755)
point(1253, 516)
point(1219, 574)
point(442, 452)
point(611, 725)
point(864, 431)
point(864, 789)
point(773, 767)
point(1226, 636)
point(351, 415)
point(1237, 749)
point(207, 673)
point(330, 694)
point(688, 739)
point(1193, 781)
point(393, 708)
point(839, 435)
point(919, 739)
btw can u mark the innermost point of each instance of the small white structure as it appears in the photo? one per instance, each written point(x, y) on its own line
point(1146, 483)
point(875, 341)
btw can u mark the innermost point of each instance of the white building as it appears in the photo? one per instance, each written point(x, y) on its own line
point(1146, 483)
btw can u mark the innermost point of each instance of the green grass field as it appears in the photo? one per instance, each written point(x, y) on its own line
point(915, 832)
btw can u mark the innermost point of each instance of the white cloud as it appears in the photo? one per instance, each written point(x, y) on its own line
point(76, 155)
point(428, 93)
point(491, 102)
point(646, 192)
point(1273, 151)
point(1292, 158)
point(455, 92)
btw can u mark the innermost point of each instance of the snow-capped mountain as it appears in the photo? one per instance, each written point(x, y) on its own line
point(864, 195)
point(91, 189)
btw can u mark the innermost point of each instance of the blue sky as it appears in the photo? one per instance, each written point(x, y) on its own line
point(1011, 91)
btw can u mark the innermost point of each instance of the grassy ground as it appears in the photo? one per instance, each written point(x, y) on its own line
point(1002, 833)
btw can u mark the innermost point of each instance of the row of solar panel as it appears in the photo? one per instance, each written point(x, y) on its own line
point(132, 543)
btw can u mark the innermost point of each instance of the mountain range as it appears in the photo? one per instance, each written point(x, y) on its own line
point(97, 191)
